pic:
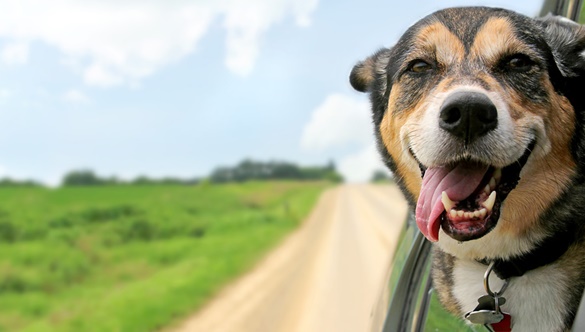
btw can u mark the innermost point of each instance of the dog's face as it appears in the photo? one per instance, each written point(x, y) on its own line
point(472, 116)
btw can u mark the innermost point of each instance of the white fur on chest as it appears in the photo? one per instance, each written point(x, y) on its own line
point(536, 301)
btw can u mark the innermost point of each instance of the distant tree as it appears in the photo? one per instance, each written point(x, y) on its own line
point(89, 178)
point(146, 181)
point(191, 181)
point(142, 180)
point(285, 170)
point(381, 176)
point(171, 181)
point(8, 182)
point(330, 165)
point(82, 177)
point(113, 180)
point(222, 174)
point(276, 170)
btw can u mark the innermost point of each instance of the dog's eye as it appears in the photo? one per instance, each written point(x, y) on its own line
point(519, 62)
point(419, 66)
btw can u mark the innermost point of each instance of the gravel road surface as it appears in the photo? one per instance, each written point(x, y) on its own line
point(326, 276)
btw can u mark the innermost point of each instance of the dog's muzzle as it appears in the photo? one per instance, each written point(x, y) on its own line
point(463, 193)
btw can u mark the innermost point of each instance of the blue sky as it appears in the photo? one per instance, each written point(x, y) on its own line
point(176, 88)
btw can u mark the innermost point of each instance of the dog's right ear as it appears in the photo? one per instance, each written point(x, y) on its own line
point(364, 73)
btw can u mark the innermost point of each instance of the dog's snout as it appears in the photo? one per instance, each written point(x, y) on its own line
point(468, 115)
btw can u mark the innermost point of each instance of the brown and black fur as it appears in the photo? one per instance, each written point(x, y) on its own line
point(473, 47)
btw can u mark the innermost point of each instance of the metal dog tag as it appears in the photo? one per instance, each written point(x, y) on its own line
point(484, 317)
point(487, 311)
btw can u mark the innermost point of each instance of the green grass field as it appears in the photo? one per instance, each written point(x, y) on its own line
point(132, 258)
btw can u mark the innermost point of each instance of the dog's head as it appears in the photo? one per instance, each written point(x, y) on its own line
point(474, 113)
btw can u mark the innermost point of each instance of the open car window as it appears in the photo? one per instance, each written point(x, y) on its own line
point(414, 305)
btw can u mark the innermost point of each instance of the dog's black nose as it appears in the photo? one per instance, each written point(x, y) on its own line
point(468, 115)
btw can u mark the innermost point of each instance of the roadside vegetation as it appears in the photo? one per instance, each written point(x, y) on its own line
point(134, 257)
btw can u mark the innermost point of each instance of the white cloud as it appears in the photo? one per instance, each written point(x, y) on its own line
point(302, 11)
point(76, 97)
point(360, 166)
point(14, 53)
point(337, 121)
point(120, 42)
point(341, 120)
point(246, 22)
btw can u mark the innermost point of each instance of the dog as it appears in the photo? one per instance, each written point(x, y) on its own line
point(479, 113)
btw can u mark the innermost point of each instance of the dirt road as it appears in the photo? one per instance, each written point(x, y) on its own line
point(326, 276)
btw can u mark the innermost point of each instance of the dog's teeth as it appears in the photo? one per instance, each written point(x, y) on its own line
point(476, 214)
point(482, 212)
point(460, 213)
point(498, 174)
point(489, 203)
point(447, 202)
point(466, 215)
point(492, 183)
point(453, 213)
point(487, 189)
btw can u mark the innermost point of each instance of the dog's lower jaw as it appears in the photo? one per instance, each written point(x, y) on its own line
point(495, 244)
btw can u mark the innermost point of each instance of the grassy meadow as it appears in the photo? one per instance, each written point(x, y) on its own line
point(133, 258)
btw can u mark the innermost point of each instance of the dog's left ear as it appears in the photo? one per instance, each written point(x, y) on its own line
point(567, 42)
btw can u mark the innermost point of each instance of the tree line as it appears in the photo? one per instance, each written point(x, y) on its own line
point(274, 170)
point(86, 177)
point(243, 171)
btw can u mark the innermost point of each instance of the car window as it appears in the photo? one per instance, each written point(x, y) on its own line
point(407, 238)
point(414, 305)
point(438, 319)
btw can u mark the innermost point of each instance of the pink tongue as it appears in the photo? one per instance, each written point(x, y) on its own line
point(459, 182)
